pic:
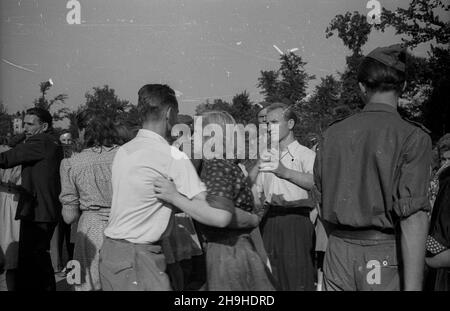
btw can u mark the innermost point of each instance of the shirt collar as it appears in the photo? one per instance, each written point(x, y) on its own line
point(152, 135)
point(292, 148)
point(380, 107)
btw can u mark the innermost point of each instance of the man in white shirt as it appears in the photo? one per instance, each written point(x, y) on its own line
point(287, 230)
point(131, 257)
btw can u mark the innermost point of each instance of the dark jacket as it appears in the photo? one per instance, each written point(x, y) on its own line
point(40, 157)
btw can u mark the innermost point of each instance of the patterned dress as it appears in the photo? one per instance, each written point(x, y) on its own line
point(86, 188)
point(233, 263)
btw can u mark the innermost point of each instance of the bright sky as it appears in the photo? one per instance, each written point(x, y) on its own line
point(202, 48)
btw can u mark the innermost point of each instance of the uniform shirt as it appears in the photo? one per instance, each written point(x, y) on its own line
point(278, 191)
point(136, 214)
point(373, 168)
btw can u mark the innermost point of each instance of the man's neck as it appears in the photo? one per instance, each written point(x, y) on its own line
point(155, 127)
point(286, 141)
point(388, 98)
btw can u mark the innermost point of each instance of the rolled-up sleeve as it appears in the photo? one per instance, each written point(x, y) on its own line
point(411, 194)
point(69, 196)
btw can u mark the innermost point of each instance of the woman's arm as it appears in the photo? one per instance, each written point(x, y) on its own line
point(198, 207)
point(441, 260)
point(69, 197)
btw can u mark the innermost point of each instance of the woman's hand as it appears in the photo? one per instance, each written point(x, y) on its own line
point(165, 189)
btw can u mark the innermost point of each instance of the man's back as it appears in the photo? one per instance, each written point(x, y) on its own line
point(136, 214)
point(372, 167)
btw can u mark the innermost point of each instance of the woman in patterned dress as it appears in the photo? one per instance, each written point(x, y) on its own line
point(438, 241)
point(232, 260)
point(86, 193)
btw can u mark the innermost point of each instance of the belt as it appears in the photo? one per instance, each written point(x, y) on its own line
point(275, 210)
point(123, 241)
point(376, 234)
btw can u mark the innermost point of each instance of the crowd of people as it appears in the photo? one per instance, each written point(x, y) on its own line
point(362, 208)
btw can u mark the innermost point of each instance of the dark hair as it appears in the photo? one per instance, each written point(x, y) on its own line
point(379, 77)
point(43, 115)
point(4, 140)
point(443, 144)
point(154, 100)
point(101, 131)
point(288, 112)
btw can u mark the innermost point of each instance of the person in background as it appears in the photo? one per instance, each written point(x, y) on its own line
point(438, 241)
point(372, 171)
point(39, 208)
point(61, 248)
point(287, 230)
point(66, 138)
point(86, 193)
point(9, 227)
point(232, 260)
point(131, 256)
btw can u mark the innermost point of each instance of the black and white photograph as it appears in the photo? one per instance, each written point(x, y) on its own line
point(224, 150)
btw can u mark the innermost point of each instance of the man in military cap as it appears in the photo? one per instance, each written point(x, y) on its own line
point(372, 171)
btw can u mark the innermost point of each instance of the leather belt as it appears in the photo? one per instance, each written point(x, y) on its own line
point(275, 210)
point(352, 233)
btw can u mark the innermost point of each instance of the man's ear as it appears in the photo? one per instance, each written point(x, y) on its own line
point(45, 127)
point(291, 124)
point(169, 110)
point(362, 88)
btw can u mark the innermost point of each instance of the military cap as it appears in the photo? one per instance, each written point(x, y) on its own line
point(392, 56)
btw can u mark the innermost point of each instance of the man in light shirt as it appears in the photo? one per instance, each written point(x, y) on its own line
point(287, 230)
point(131, 257)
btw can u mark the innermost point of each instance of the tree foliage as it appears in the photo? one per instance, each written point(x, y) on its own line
point(352, 28)
point(5, 121)
point(420, 22)
point(47, 104)
point(288, 83)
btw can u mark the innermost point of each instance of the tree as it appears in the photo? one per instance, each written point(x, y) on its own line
point(242, 109)
point(420, 23)
point(354, 31)
point(217, 104)
point(319, 110)
point(352, 28)
point(5, 121)
point(104, 102)
point(43, 102)
point(287, 84)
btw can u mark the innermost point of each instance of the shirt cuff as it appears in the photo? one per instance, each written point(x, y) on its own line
point(405, 207)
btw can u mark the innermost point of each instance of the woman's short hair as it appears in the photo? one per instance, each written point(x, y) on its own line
point(100, 130)
point(378, 77)
point(222, 119)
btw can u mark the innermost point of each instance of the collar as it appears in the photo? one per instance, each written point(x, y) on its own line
point(151, 135)
point(292, 148)
point(380, 107)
